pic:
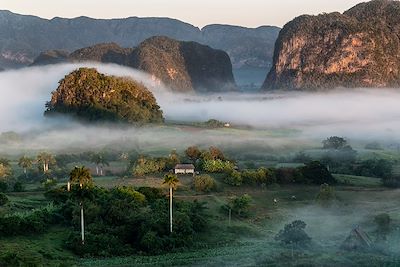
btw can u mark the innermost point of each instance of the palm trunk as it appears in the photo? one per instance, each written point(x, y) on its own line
point(101, 170)
point(97, 169)
point(26, 175)
point(82, 226)
point(170, 208)
point(44, 167)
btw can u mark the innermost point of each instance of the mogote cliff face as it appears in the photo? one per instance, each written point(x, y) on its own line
point(360, 48)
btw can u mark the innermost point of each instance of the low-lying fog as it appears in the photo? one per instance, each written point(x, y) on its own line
point(355, 113)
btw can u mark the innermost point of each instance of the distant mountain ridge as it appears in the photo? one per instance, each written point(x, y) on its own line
point(359, 48)
point(23, 37)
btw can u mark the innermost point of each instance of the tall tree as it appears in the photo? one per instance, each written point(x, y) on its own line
point(172, 181)
point(45, 159)
point(81, 176)
point(25, 163)
point(193, 153)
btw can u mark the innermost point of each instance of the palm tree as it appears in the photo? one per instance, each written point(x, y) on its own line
point(25, 163)
point(81, 176)
point(172, 181)
point(45, 159)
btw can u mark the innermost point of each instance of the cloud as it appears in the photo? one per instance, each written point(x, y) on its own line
point(355, 113)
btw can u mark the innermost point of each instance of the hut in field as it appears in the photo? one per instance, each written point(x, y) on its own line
point(184, 169)
point(357, 240)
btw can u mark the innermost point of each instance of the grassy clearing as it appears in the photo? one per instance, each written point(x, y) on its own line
point(358, 180)
point(39, 250)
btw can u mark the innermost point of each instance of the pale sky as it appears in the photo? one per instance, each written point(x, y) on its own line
point(250, 13)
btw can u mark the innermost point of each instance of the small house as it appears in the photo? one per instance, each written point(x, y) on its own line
point(184, 169)
point(357, 240)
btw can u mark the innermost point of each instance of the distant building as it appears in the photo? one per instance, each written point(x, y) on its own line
point(184, 169)
point(357, 240)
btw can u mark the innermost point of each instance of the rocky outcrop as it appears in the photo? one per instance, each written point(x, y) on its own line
point(359, 48)
point(91, 96)
point(185, 66)
point(182, 66)
point(51, 57)
point(106, 53)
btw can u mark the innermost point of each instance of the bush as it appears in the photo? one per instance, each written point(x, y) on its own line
point(326, 195)
point(3, 186)
point(218, 166)
point(145, 166)
point(294, 234)
point(18, 187)
point(234, 178)
point(204, 183)
point(288, 176)
point(3, 199)
point(49, 183)
point(240, 205)
point(316, 173)
point(259, 176)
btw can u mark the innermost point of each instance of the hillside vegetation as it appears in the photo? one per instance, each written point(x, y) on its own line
point(90, 95)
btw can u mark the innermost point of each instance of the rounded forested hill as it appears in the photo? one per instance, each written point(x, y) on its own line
point(89, 95)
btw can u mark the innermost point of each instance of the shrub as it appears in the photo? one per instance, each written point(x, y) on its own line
point(259, 176)
point(3, 199)
point(218, 166)
point(240, 205)
point(326, 194)
point(18, 187)
point(145, 166)
point(316, 173)
point(294, 233)
point(204, 183)
point(49, 183)
point(234, 178)
point(3, 186)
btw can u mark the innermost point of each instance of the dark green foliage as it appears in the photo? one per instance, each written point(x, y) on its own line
point(123, 220)
point(151, 193)
point(233, 178)
point(294, 234)
point(36, 221)
point(93, 96)
point(289, 176)
point(261, 176)
point(18, 187)
point(239, 205)
point(3, 199)
point(316, 173)
point(334, 142)
point(213, 124)
point(379, 168)
point(3, 186)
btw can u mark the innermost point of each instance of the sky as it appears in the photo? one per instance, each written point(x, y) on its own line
point(249, 13)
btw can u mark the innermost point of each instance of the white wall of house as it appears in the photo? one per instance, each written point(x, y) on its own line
point(184, 171)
